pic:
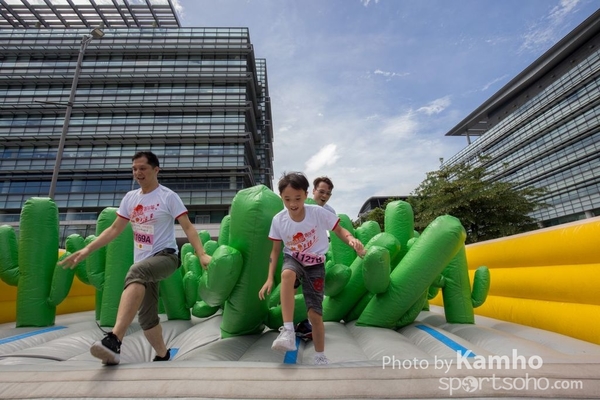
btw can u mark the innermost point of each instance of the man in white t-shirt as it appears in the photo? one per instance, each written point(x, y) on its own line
point(322, 188)
point(152, 210)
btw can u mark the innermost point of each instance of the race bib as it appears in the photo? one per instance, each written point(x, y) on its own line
point(143, 237)
point(308, 259)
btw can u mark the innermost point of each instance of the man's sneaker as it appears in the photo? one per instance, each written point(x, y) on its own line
point(286, 341)
point(321, 360)
point(167, 356)
point(108, 349)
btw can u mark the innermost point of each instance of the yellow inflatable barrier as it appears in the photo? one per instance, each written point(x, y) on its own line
point(81, 298)
point(546, 278)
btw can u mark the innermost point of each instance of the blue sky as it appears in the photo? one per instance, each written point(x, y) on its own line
point(364, 91)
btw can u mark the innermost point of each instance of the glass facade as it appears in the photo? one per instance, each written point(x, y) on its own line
point(196, 97)
point(546, 132)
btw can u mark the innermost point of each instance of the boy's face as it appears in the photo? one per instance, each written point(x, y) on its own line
point(293, 200)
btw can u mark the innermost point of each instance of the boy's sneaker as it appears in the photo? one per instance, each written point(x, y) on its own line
point(286, 341)
point(167, 356)
point(108, 349)
point(321, 360)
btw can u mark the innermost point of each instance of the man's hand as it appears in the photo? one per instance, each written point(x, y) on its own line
point(74, 259)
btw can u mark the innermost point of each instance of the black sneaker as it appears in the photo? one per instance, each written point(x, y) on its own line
point(304, 330)
point(167, 356)
point(108, 349)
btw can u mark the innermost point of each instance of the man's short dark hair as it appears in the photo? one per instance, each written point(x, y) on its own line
point(296, 180)
point(150, 156)
point(323, 179)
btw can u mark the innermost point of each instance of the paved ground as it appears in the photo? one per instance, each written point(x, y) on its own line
point(428, 359)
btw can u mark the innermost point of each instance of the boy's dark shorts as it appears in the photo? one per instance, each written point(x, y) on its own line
point(312, 279)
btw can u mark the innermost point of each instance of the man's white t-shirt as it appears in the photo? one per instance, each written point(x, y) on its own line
point(152, 217)
point(329, 208)
point(307, 240)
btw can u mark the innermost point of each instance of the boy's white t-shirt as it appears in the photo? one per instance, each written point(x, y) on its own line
point(152, 217)
point(307, 240)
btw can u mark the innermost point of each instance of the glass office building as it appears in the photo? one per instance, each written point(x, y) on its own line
point(197, 97)
point(543, 128)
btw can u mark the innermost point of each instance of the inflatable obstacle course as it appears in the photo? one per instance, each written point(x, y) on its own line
point(546, 279)
point(380, 327)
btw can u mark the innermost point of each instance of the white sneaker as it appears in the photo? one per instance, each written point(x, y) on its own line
point(321, 360)
point(286, 341)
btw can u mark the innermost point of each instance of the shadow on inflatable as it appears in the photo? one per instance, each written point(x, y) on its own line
point(400, 322)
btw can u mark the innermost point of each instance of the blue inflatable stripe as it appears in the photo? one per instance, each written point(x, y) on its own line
point(292, 356)
point(29, 334)
point(174, 351)
point(446, 340)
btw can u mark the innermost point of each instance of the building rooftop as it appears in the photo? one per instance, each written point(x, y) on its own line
point(377, 201)
point(489, 113)
point(90, 14)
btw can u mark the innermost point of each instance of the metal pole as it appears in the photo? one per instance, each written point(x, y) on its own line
point(63, 135)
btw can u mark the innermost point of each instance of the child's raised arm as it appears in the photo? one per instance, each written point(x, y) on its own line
point(350, 240)
point(273, 258)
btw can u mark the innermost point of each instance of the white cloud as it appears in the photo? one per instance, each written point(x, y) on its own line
point(401, 126)
point(390, 75)
point(327, 156)
point(178, 6)
point(364, 154)
point(436, 106)
point(366, 2)
point(489, 84)
point(558, 13)
point(549, 30)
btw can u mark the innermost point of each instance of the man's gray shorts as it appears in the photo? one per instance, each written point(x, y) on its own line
point(311, 278)
point(150, 272)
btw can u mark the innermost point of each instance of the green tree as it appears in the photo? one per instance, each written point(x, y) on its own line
point(377, 214)
point(488, 209)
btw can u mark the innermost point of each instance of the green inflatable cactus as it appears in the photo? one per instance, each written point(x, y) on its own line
point(239, 265)
point(62, 279)
point(459, 301)
point(387, 288)
point(252, 210)
point(29, 262)
point(410, 280)
point(216, 285)
point(192, 273)
point(336, 308)
point(108, 266)
point(9, 256)
point(75, 243)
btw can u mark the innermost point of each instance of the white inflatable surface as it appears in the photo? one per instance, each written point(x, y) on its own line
point(427, 359)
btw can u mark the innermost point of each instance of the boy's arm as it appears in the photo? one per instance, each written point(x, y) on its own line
point(273, 258)
point(350, 240)
point(268, 286)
